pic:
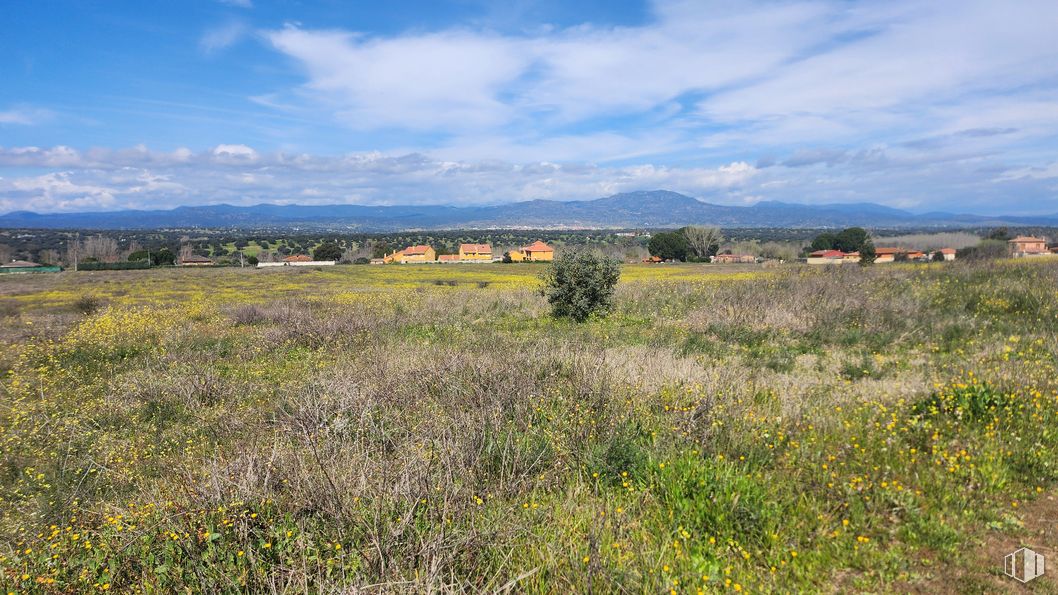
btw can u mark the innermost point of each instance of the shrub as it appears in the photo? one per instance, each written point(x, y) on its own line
point(88, 304)
point(669, 245)
point(579, 284)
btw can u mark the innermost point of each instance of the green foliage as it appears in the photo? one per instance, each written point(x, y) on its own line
point(164, 257)
point(113, 266)
point(669, 245)
point(327, 251)
point(579, 284)
point(824, 241)
point(867, 253)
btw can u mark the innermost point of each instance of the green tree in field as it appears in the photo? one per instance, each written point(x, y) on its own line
point(163, 257)
point(579, 284)
point(823, 241)
point(138, 255)
point(669, 245)
point(327, 251)
point(851, 239)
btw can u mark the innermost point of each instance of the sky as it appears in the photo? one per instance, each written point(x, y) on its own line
point(927, 106)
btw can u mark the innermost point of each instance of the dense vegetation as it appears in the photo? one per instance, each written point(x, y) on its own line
point(434, 428)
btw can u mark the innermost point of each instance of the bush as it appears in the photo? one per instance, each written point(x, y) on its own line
point(88, 304)
point(579, 284)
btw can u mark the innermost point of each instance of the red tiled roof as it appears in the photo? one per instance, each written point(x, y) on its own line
point(947, 250)
point(448, 257)
point(827, 254)
point(478, 248)
point(415, 250)
point(298, 258)
point(883, 251)
point(1025, 240)
point(538, 246)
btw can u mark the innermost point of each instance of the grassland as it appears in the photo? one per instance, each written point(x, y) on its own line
point(432, 428)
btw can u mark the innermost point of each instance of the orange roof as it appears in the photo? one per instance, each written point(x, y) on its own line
point(827, 254)
point(475, 248)
point(947, 250)
point(881, 251)
point(448, 257)
point(1025, 240)
point(415, 250)
point(538, 246)
point(298, 258)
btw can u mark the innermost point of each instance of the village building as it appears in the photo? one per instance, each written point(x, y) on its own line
point(418, 254)
point(884, 255)
point(396, 256)
point(298, 258)
point(826, 257)
point(538, 252)
point(734, 259)
point(516, 256)
point(1027, 246)
point(448, 258)
point(851, 257)
point(653, 260)
point(195, 260)
point(947, 253)
point(475, 253)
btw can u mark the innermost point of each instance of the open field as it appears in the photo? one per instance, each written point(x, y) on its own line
point(418, 428)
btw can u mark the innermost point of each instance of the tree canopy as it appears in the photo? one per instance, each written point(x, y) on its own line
point(669, 245)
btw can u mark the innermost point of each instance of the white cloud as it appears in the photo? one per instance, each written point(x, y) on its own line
point(25, 116)
point(222, 37)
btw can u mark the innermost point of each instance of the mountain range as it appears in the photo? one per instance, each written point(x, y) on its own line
point(642, 209)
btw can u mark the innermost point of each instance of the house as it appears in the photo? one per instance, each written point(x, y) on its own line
point(422, 253)
point(1027, 246)
point(298, 258)
point(516, 255)
point(475, 253)
point(947, 253)
point(538, 252)
point(734, 259)
point(827, 257)
point(448, 258)
point(916, 255)
point(852, 257)
point(884, 255)
point(195, 260)
point(653, 260)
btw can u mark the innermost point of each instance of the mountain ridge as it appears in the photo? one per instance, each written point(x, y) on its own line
point(637, 209)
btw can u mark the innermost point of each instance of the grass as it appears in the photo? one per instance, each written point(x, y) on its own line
point(432, 428)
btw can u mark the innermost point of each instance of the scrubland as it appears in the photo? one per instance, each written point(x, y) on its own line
point(397, 429)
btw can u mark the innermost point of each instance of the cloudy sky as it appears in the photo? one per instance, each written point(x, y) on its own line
point(939, 105)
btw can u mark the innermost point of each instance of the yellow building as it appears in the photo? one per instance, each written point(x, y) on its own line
point(537, 252)
point(516, 255)
point(475, 253)
point(413, 254)
point(397, 256)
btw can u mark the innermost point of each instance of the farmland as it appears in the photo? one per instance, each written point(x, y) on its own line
point(417, 428)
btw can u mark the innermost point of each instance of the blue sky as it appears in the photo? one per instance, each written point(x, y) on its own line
point(942, 105)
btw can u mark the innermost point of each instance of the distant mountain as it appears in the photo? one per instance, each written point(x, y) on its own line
point(657, 208)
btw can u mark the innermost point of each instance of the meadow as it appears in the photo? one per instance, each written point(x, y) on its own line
point(432, 428)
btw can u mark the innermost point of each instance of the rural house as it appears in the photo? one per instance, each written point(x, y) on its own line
point(884, 255)
point(448, 258)
point(826, 257)
point(1027, 246)
point(537, 252)
point(298, 258)
point(475, 253)
point(947, 253)
point(413, 254)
